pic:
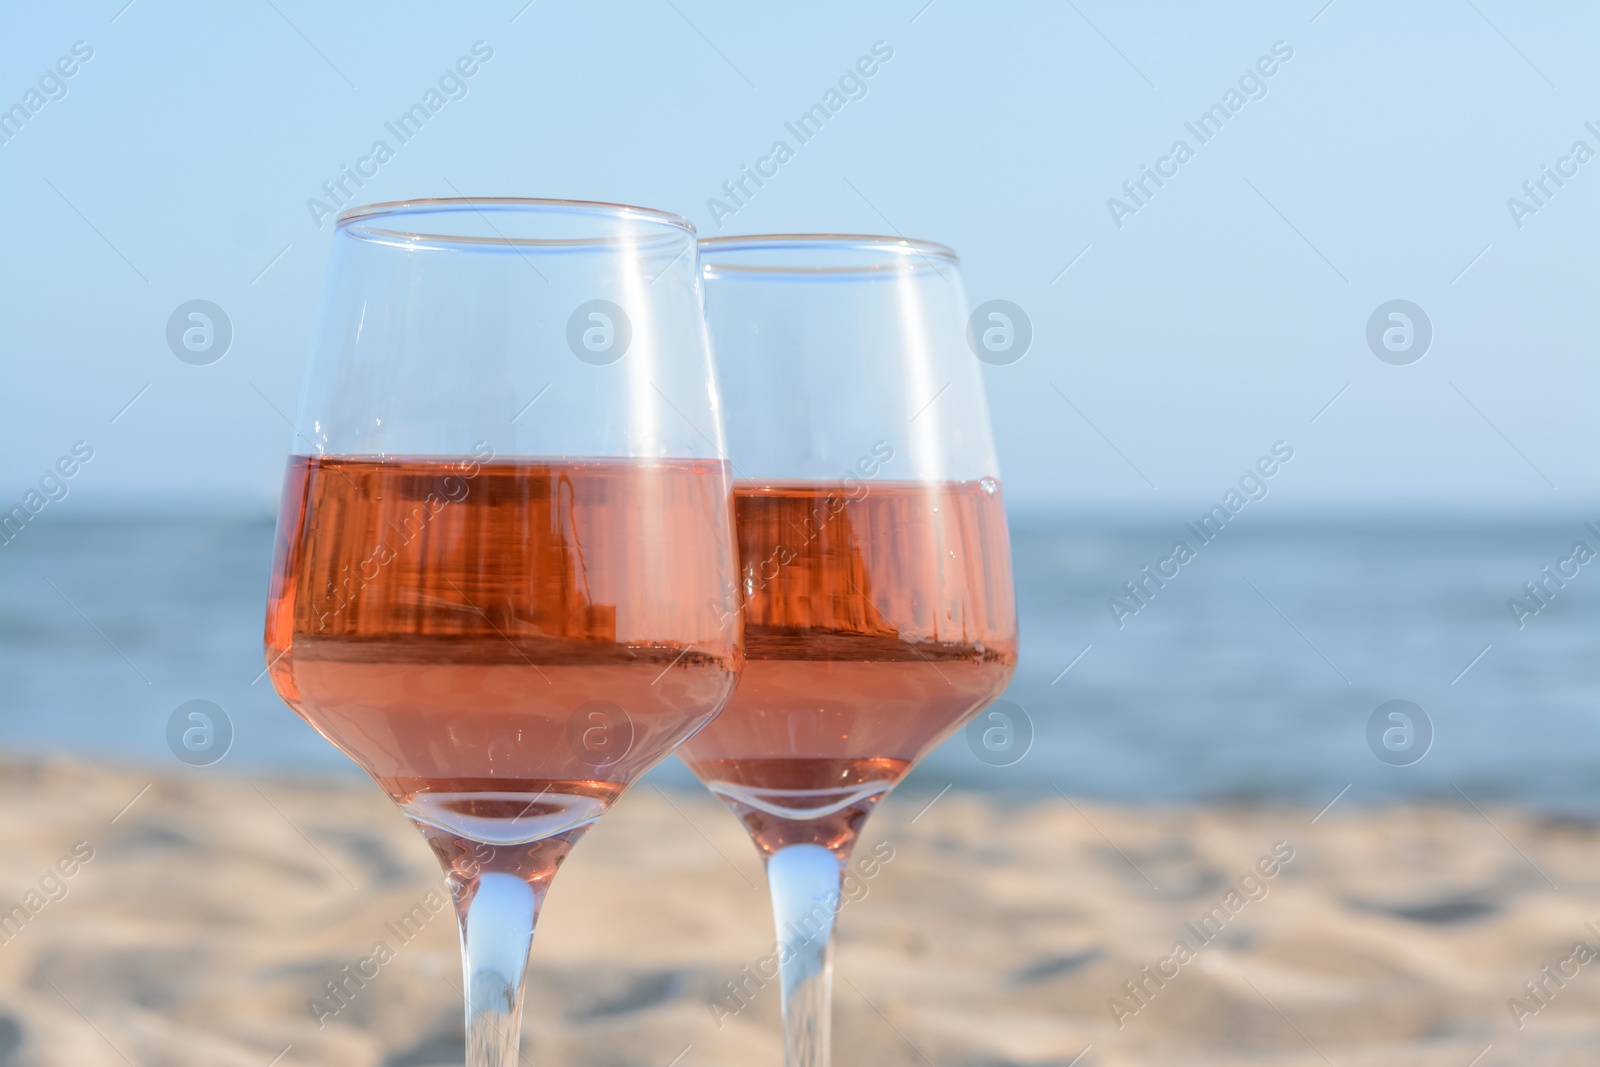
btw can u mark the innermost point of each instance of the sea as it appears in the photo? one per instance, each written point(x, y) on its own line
point(1270, 666)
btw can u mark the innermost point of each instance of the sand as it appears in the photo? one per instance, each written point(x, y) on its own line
point(214, 909)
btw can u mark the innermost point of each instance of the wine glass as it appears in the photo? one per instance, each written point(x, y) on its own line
point(875, 562)
point(504, 581)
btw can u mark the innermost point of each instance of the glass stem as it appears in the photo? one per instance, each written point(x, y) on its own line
point(496, 931)
point(805, 880)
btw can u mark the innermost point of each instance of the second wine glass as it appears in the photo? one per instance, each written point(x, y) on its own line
point(875, 564)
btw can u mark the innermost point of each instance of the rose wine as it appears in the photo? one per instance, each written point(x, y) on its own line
point(503, 645)
point(878, 619)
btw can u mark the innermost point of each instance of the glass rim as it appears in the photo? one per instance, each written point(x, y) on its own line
point(898, 254)
point(354, 220)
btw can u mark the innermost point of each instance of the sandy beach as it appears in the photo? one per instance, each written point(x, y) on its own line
point(198, 919)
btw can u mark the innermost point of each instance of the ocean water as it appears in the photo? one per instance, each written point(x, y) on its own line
point(1251, 675)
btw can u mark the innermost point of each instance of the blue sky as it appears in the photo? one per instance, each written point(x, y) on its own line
point(1173, 344)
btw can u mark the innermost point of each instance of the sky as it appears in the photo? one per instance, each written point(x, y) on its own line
point(1369, 153)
